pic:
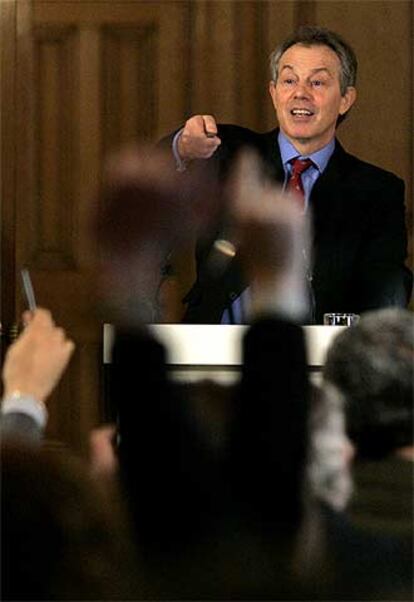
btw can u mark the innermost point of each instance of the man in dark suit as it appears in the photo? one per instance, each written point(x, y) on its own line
point(360, 241)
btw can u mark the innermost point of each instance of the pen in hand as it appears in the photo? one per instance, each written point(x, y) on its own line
point(28, 289)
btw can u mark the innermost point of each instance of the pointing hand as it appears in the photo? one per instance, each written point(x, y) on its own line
point(199, 139)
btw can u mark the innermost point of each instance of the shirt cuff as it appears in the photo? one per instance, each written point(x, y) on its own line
point(181, 165)
point(26, 404)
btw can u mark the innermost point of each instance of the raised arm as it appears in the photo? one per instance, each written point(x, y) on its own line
point(273, 239)
point(32, 368)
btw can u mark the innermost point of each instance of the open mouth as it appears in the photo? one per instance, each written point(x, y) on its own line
point(302, 113)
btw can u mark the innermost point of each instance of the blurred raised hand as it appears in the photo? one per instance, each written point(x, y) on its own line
point(273, 240)
point(147, 210)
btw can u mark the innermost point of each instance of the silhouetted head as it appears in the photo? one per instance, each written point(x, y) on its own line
point(371, 366)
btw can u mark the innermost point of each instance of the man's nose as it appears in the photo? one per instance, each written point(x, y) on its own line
point(302, 91)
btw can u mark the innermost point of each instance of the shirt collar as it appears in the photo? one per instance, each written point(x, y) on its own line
point(320, 158)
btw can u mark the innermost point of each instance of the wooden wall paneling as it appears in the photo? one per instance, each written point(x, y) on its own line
point(169, 62)
point(91, 76)
point(172, 65)
point(66, 149)
point(52, 245)
point(23, 160)
point(77, 418)
point(251, 73)
point(214, 67)
point(7, 168)
point(130, 94)
point(88, 142)
point(279, 19)
point(380, 126)
point(47, 199)
point(382, 41)
point(305, 12)
point(65, 406)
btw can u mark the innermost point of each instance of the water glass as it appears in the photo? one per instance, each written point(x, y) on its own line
point(340, 319)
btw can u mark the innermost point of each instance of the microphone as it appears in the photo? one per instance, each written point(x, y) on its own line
point(222, 252)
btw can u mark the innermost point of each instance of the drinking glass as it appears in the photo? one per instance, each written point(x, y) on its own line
point(340, 319)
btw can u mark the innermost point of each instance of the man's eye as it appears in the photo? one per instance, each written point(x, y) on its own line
point(316, 83)
point(289, 81)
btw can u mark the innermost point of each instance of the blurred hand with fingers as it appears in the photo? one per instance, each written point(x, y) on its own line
point(272, 235)
point(37, 359)
point(148, 211)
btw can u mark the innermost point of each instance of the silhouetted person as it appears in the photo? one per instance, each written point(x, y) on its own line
point(63, 537)
point(369, 369)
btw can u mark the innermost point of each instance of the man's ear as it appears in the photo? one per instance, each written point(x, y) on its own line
point(272, 92)
point(348, 100)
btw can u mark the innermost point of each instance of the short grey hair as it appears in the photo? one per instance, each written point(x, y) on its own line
point(371, 364)
point(320, 36)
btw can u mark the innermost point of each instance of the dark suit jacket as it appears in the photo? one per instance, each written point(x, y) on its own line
point(359, 235)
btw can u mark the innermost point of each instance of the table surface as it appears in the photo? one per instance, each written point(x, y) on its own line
point(216, 345)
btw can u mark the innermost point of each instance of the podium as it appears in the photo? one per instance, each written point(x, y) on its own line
point(213, 351)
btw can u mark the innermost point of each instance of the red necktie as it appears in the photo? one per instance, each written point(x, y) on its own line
point(294, 183)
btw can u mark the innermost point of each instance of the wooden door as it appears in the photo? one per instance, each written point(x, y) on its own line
point(79, 78)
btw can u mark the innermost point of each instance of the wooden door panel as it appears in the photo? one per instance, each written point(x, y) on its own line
point(93, 76)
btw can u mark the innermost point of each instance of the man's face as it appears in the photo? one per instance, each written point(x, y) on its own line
point(307, 96)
